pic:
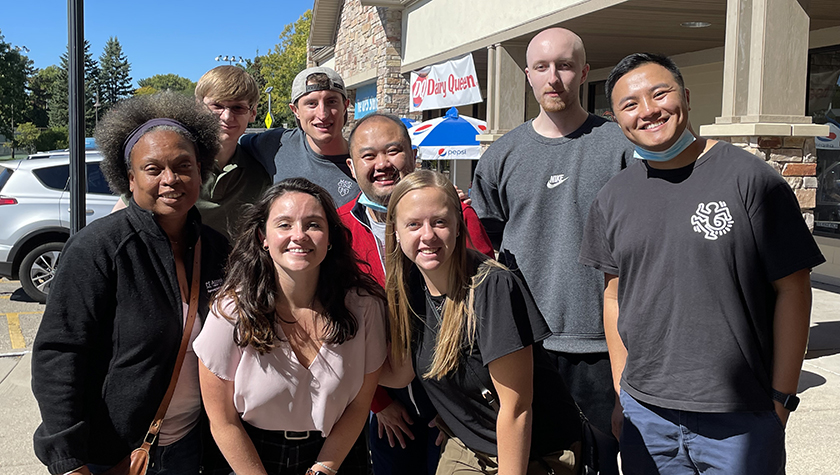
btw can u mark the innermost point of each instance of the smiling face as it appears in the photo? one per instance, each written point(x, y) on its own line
point(427, 229)
point(234, 117)
point(381, 157)
point(556, 68)
point(321, 116)
point(296, 234)
point(651, 107)
point(164, 176)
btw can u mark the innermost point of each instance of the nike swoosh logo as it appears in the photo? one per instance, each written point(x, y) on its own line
point(552, 183)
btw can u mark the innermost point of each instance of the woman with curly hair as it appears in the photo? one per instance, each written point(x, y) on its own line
point(468, 328)
point(128, 287)
point(292, 351)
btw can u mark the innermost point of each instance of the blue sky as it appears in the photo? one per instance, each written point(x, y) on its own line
point(158, 37)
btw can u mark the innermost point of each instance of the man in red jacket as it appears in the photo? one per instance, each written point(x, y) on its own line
point(380, 156)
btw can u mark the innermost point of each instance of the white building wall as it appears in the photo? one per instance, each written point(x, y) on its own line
point(437, 26)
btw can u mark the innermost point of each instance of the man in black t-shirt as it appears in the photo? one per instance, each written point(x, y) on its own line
point(713, 257)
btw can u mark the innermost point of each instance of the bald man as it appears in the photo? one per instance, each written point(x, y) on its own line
point(532, 190)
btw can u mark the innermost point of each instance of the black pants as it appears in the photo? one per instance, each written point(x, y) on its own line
point(282, 456)
point(589, 379)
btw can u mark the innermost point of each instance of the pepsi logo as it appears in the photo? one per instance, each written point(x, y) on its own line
point(417, 101)
point(482, 128)
point(442, 152)
point(421, 129)
point(831, 136)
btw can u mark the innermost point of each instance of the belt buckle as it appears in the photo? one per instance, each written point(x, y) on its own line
point(296, 435)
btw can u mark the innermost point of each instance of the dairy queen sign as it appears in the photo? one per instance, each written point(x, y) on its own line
point(453, 83)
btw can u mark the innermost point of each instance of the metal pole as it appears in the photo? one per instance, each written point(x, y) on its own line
point(76, 76)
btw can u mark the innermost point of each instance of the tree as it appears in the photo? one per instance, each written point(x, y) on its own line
point(114, 78)
point(254, 68)
point(15, 69)
point(26, 136)
point(283, 63)
point(60, 102)
point(41, 85)
point(172, 82)
point(53, 139)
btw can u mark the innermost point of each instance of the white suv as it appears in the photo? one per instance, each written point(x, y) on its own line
point(35, 216)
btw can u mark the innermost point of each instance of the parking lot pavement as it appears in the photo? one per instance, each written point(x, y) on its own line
point(19, 318)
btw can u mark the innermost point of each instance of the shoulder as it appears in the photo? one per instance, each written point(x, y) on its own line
point(731, 161)
point(345, 210)
point(512, 139)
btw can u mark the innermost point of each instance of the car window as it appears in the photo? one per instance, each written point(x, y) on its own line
point(5, 173)
point(53, 177)
point(96, 182)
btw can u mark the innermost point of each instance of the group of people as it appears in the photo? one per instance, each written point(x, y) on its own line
point(298, 302)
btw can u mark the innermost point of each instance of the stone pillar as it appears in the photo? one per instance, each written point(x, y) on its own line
point(764, 86)
point(505, 90)
point(795, 158)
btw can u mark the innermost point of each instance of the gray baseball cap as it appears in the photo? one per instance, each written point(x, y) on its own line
point(300, 88)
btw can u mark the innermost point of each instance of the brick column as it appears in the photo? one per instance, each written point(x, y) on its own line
point(795, 158)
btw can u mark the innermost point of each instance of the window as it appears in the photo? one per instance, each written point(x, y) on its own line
point(5, 173)
point(824, 107)
point(54, 177)
point(598, 100)
point(58, 178)
point(96, 182)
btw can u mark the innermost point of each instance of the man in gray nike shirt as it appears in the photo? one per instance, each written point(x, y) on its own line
point(533, 189)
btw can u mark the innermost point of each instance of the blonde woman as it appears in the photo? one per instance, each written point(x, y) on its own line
point(469, 329)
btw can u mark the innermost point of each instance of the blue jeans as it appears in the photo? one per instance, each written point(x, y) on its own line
point(655, 440)
point(180, 458)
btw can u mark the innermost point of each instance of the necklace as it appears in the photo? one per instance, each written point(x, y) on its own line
point(436, 307)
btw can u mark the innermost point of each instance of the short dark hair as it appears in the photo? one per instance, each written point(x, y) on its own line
point(635, 60)
point(131, 113)
point(379, 115)
point(251, 282)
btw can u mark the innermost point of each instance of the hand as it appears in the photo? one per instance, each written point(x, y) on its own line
point(463, 196)
point(441, 438)
point(617, 419)
point(781, 412)
point(394, 421)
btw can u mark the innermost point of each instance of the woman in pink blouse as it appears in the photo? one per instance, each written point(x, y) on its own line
point(292, 349)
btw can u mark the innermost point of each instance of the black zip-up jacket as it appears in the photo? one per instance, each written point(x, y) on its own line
point(106, 348)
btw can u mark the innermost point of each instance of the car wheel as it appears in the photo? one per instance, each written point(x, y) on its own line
point(38, 269)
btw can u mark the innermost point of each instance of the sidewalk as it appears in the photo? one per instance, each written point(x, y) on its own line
point(813, 433)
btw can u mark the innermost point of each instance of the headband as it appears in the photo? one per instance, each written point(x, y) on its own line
point(135, 134)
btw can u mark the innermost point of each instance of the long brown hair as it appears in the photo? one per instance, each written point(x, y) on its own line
point(458, 321)
point(251, 282)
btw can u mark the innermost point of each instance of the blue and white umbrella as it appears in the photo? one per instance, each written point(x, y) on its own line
point(451, 137)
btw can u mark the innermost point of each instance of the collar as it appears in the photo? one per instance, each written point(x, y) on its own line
point(144, 220)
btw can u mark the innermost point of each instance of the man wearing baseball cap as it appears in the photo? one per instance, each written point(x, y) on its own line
point(315, 150)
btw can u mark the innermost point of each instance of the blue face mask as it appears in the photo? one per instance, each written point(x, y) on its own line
point(365, 201)
point(685, 140)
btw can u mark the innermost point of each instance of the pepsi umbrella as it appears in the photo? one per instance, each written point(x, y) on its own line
point(409, 123)
point(451, 137)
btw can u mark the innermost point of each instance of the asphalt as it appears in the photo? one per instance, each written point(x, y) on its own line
point(813, 431)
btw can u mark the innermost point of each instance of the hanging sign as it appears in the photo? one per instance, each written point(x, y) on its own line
point(366, 102)
point(453, 83)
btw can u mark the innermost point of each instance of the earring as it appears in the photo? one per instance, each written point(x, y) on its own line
point(265, 247)
point(329, 247)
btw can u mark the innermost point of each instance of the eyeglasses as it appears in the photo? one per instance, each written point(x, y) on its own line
point(219, 109)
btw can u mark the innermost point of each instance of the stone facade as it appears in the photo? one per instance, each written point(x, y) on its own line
point(795, 158)
point(369, 38)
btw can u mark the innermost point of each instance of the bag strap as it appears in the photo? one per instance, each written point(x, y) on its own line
point(154, 428)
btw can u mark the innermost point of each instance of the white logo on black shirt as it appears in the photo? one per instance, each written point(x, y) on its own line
point(344, 187)
point(556, 180)
point(712, 219)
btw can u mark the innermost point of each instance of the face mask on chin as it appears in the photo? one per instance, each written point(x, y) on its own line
point(365, 201)
point(685, 140)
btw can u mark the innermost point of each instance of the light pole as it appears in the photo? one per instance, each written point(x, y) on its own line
point(230, 59)
point(268, 91)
